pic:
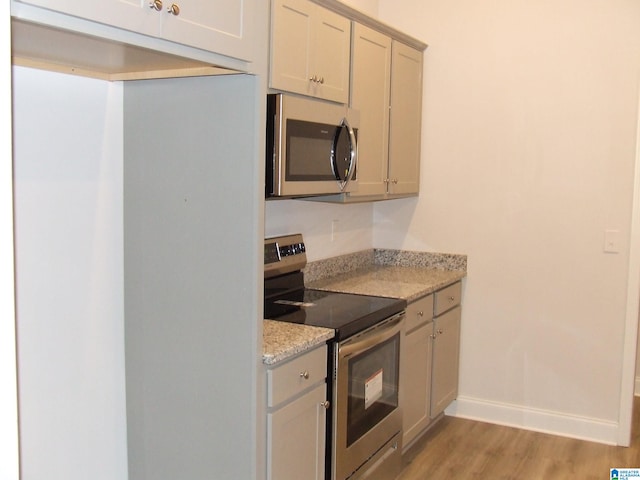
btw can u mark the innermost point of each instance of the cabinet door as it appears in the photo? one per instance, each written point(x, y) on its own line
point(310, 51)
point(135, 15)
point(331, 56)
point(416, 382)
point(370, 77)
point(221, 26)
point(405, 121)
point(291, 41)
point(296, 433)
point(446, 347)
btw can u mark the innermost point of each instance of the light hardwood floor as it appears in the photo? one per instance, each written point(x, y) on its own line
point(464, 449)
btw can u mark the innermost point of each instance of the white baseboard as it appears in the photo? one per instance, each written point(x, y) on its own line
point(545, 421)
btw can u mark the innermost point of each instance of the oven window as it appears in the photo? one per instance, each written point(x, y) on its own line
point(373, 387)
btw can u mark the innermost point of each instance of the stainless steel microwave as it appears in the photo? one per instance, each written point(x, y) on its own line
point(311, 147)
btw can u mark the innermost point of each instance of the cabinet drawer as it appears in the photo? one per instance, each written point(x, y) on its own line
point(295, 376)
point(419, 312)
point(447, 298)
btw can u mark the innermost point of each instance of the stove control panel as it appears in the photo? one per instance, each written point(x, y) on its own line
point(284, 254)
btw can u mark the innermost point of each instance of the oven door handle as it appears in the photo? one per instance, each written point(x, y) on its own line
point(372, 337)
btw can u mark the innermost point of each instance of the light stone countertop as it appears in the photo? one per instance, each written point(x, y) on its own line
point(384, 273)
point(408, 283)
point(282, 340)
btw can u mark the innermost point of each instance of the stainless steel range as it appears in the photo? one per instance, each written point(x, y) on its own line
point(364, 421)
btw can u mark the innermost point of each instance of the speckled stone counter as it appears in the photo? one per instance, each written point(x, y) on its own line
point(409, 283)
point(283, 340)
point(380, 272)
point(387, 273)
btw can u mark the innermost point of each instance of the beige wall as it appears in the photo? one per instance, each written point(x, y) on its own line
point(368, 6)
point(529, 132)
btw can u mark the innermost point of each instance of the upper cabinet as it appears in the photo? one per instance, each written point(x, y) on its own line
point(370, 91)
point(310, 50)
point(386, 87)
point(379, 76)
point(193, 28)
point(405, 120)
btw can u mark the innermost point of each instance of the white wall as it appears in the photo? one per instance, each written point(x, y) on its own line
point(529, 130)
point(68, 188)
point(328, 229)
point(9, 461)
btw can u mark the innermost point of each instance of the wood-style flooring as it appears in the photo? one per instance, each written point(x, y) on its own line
point(464, 449)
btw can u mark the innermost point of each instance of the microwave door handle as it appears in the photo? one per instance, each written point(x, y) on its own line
point(354, 151)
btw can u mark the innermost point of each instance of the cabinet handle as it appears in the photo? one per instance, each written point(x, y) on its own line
point(326, 404)
point(156, 5)
point(304, 375)
point(174, 9)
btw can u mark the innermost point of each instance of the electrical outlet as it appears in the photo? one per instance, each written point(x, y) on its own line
point(334, 229)
point(612, 241)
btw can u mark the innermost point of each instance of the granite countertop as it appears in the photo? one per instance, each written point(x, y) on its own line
point(385, 273)
point(408, 283)
point(282, 340)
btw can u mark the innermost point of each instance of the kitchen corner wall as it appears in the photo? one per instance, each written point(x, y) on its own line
point(529, 133)
point(328, 229)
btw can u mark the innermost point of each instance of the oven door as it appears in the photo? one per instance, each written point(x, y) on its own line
point(366, 412)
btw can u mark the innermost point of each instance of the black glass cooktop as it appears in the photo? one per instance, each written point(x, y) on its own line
point(345, 313)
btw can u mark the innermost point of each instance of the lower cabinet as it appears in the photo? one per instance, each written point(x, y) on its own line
point(429, 360)
point(296, 417)
point(415, 369)
point(446, 353)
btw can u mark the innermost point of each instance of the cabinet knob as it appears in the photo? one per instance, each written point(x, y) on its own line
point(321, 80)
point(326, 404)
point(440, 332)
point(452, 299)
point(156, 5)
point(421, 313)
point(313, 79)
point(304, 375)
point(174, 9)
point(394, 181)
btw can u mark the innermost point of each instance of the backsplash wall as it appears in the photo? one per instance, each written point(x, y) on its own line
point(328, 229)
